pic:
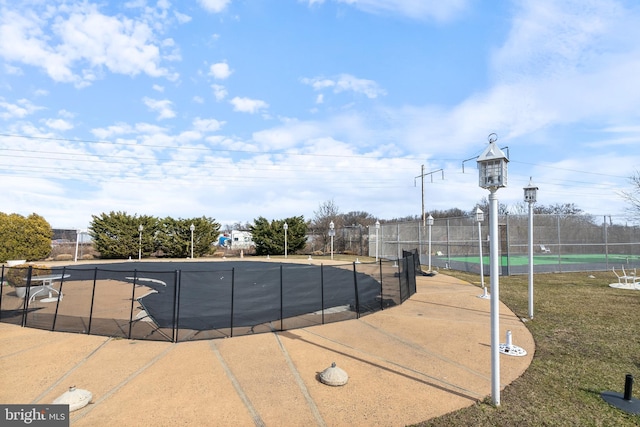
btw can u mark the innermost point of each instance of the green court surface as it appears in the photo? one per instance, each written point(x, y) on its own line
point(549, 259)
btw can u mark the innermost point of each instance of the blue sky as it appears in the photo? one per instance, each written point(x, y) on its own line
point(235, 109)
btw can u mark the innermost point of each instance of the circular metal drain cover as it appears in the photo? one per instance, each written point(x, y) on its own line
point(76, 398)
point(334, 376)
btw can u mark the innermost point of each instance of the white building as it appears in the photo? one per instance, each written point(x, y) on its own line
point(237, 239)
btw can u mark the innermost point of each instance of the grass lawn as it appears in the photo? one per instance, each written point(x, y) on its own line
point(587, 338)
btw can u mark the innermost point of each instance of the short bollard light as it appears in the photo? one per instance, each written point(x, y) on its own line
point(626, 401)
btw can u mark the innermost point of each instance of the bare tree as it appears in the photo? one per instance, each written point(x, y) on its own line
point(327, 211)
point(633, 197)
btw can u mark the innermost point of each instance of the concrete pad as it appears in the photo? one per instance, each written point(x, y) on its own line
point(406, 364)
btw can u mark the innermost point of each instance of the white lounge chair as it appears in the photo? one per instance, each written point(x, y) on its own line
point(630, 276)
point(624, 276)
point(544, 249)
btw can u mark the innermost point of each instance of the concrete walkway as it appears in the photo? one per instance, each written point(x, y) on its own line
point(406, 364)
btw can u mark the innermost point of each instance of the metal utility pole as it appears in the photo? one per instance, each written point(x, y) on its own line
point(421, 176)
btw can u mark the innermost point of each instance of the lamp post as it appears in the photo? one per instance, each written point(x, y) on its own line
point(285, 227)
point(140, 228)
point(530, 196)
point(332, 232)
point(377, 234)
point(429, 223)
point(78, 235)
point(479, 219)
point(192, 227)
point(492, 167)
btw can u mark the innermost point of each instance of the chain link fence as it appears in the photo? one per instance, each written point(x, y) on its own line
point(561, 243)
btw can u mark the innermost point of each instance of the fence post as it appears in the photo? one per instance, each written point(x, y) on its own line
point(355, 284)
point(25, 303)
point(508, 243)
point(55, 314)
point(176, 306)
point(559, 243)
point(606, 241)
point(448, 244)
point(1, 286)
point(133, 298)
point(322, 290)
point(281, 301)
point(381, 289)
point(419, 239)
point(93, 296)
point(233, 288)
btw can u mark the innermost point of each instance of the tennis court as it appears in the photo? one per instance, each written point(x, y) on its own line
point(543, 263)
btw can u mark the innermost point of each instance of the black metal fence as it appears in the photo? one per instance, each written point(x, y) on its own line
point(151, 301)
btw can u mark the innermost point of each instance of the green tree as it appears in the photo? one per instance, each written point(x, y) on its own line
point(174, 236)
point(24, 238)
point(269, 236)
point(117, 234)
point(37, 237)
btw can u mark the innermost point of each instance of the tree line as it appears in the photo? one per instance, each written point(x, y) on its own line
point(119, 235)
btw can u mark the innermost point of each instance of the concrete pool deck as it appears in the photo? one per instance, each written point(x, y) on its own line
point(406, 364)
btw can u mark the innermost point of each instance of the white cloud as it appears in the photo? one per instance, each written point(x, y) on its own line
point(114, 130)
point(220, 70)
point(58, 124)
point(21, 109)
point(416, 9)
point(158, 88)
point(247, 105)
point(345, 83)
point(172, 50)
point(182, 18)
point(219, 91)
point(10, 69)
point(288, 135)
point(207, 125)
point(160, 106)
point(188, 136)
point(214, 6)
point(66, 114)
point(74, 43)
point(551, 38)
